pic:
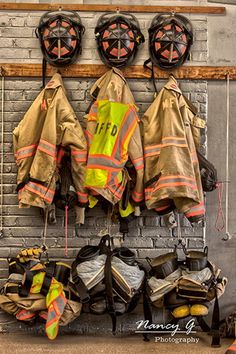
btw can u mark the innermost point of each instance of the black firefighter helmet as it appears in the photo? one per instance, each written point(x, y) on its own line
point(118, 37)
point(60, 34)
point(170, 39)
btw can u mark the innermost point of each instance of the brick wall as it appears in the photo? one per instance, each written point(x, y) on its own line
point(24, 228)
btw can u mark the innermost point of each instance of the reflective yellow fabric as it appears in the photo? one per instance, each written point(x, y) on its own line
point(55, 302)
point(109, 146)
point(129, 210)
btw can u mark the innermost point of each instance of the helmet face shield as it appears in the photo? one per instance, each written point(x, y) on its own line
point(170, 39)
point(60, 35)
point(118, 38)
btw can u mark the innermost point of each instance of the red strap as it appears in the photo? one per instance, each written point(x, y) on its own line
point(66, 230)
point(220, 213)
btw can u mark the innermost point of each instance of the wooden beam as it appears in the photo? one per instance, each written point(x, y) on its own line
point(130, 72)
point(105, 8)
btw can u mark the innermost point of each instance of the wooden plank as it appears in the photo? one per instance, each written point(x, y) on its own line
point(105, 8)
point(130, 72)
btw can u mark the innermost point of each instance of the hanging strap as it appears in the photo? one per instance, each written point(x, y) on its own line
point(2, 149)
point(66, 230)
point(44, 68)
point(215, 325)
point(220, 218)
point(228, 236)
point(145, 65)
point(109, 291)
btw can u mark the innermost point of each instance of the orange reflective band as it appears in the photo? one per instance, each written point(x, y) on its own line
point(105, 157)
point(137, 197)
point(47, 143)
point(83, 197)
point(173, 137)
point(174, 144)
point(138, 163)
point(40, 190)
point(176, 184)
point(46, 147)
point(177, 177)
point(120, 132)
point(154, 153)
point(24, 315)
point(79, 156)
point(106, 168)
point(198, 209)
point(89, 137)
point(77, 152)
point(26, 151)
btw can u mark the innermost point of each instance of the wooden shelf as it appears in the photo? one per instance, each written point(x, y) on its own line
point(130, 72)
point(104, 8)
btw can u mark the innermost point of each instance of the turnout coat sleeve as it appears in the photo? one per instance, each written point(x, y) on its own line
point(171, 135)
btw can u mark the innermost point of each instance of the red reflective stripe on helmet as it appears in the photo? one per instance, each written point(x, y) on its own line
point(123, 25)
point(105, 45)
point(113, 26)
point(159, 34)
point(131, 34)
point(53, 24)
point(106, 34)
point(123, 51)
point(166, 54)
point(157, 45)
point(131, 46)
point(167, 27)
point(64, 23)
point(178, 29)
point(114, 52)
point(73, 43)
point(175, 55)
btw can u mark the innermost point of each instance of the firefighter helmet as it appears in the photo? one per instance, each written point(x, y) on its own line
point(118, 37)
point(170, 39)
point(60, 34)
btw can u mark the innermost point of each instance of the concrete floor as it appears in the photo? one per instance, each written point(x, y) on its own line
point(76, 344)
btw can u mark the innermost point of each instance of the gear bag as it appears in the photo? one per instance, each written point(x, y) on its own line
point(107, 281)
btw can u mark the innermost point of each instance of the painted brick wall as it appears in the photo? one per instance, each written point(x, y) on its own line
point(24, 228)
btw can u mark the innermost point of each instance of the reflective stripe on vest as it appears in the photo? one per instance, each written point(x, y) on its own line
point(55, 302)
point(108, 152)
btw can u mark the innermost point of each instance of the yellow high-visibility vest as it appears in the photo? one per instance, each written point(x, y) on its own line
point(108, 152)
